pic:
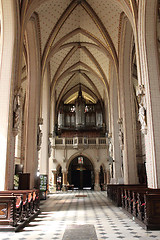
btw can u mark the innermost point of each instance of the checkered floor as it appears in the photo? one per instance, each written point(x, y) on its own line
point(63, 209)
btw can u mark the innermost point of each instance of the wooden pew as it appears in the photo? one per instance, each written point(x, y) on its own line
point(114, 192)
point(7, 210)
point(26, 206)
point(140, 202)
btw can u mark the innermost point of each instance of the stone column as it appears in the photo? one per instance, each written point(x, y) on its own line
point(7, 77)
point(64, 180)
point(96, 185)
point(32, 105)
point(44, 155)
point(108, 177)
point(105, 179)
point(116, 151)
point(54, 172)
point(127, 114)
point(151, 81)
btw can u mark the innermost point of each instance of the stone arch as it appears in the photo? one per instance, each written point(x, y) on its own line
point(81, 172)
point(71, 79)
point(78, 154)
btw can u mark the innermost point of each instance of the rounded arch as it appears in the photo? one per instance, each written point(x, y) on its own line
point(80, 154)
point(81, 172)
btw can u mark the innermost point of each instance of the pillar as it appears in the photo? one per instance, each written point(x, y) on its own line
point(32, 104)
point(96, 185)
point(64, 180)
point(114, 129)
point(150, 79)
point(7, 76)
point(127, 105)
point(54, 179)
point(107, 176)
point(44, 154)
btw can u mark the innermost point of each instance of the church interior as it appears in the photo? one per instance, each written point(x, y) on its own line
point(80, 104)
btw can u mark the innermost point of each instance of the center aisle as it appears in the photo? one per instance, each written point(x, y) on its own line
point(64, 209)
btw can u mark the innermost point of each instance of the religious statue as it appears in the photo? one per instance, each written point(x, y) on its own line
point(121, 136)
point(17, 111)
point(49, 148)
point(39, 138)
point(121, 139)
point(142, 118)
point(110, 148)
point(142, 109)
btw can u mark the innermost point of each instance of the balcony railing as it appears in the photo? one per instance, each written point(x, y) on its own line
point(80, 141)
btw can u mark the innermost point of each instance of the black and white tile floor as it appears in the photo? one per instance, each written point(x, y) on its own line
point(62, 209)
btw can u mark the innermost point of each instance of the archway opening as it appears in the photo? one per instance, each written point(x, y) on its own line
point(81, 173)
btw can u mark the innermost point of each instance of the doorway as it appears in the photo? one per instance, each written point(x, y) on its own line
point(81, 173)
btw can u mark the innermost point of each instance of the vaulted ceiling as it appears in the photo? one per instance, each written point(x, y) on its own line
point(79, 40)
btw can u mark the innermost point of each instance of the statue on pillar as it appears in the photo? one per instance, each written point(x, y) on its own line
point(39, 133)
point(110, 148)
point(17, 111)
point(49, 148)
point(142, 108)
point(39, 138)
point(121, 136)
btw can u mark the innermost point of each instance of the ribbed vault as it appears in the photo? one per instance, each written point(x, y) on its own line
point(79, 41)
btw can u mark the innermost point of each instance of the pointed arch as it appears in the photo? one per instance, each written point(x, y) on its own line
point(62, 64)
point(71, 79)
point(102, 29)
point(68, 71)
point(56, 29)
point(58, 46)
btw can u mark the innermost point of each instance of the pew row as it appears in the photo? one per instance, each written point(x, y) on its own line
point(139, 202)
point(17, 208)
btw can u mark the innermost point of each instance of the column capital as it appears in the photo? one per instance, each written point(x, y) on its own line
point(64, 171)
point(97, 170)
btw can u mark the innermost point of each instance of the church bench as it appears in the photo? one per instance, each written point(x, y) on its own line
point(30, 199)
point(25, 207)
point(114, 192)
point(7, 210)
point(140, 202)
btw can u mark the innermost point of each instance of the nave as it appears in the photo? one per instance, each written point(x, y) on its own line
point(90, 211)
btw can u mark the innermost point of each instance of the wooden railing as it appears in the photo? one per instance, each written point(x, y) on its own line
point(142, 203)
point(17, 207)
